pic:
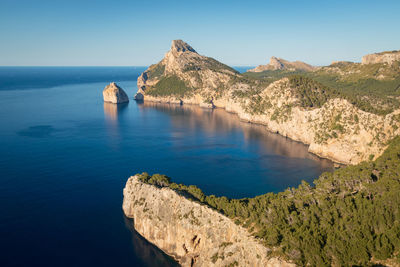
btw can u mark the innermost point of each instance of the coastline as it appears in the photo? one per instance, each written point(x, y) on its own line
point(265, 125)
point(175, 224)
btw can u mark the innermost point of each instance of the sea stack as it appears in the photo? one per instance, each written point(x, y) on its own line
point(114, 94)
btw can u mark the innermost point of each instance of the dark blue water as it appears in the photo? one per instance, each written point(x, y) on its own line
point(65, 157)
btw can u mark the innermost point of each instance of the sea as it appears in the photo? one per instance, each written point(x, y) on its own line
point(65, 157)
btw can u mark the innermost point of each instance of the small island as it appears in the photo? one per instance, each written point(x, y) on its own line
point(112, 93)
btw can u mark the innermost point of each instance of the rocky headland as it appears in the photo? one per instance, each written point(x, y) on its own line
point(192, 233)
point(112, 93)
point(348, 112)
point(333, 125)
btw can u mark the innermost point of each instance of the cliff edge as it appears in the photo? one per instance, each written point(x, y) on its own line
point(388, 57)
point(194, 234)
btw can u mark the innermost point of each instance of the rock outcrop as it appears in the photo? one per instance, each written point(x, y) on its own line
point(337, 130)
point(114, 94)
point(192, 233)
point(281, 64)
point(182, 60)
point(383, 57)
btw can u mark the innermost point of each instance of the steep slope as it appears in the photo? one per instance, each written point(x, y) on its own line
point(351, 217)
point(194, 234)
point(281, 64)
point(182, 73)
point(334, 124)
point(384, 57)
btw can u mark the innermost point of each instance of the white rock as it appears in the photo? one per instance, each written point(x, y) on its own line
point(385, 57)
point(114, 94)
point(192, 233)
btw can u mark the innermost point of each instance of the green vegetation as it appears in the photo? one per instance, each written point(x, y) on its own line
point(311, 93)
point(209, 63)
point(155, 71)
point(374, 88)
point(215, 65)
point(353, 72)
point(272, 75)
point(369, 95)
point(170, 85)
point(214, 258)
point(349, 217)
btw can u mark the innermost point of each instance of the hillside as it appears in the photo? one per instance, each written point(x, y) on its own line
point(281, 64)
point(351, 217)
point(346, 112)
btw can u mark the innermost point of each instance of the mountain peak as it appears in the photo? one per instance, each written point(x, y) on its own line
point(276, 63)
point(181, 46)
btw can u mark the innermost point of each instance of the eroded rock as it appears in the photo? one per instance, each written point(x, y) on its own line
point(384, 57)
point(192, 233)
point(114, 94)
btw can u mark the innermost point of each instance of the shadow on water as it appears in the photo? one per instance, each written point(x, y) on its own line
point(145, 252)
point(220, 121)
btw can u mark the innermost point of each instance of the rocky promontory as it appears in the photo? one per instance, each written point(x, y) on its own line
point(331, 124)
point(192, 233)
point(114, 94)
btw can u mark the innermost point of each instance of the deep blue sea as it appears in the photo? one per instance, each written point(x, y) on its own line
point(65, 157)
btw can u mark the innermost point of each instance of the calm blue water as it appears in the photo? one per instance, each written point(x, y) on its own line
point(65, 157)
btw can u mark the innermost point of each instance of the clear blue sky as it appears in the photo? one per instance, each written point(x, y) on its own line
point(91, 33)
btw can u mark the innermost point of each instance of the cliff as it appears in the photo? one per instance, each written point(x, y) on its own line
point(300, 109)
point(281, 64)
point(384, 57)
point(320, 225)
point(192, 233)
point(112, 93)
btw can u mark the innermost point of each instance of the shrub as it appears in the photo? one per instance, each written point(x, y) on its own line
point(351, 215)
point(170, 85)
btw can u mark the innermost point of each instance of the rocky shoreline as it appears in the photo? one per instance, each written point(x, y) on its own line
point(336, 130)
point(298, 128)
point(333, 126)
point(192, 233)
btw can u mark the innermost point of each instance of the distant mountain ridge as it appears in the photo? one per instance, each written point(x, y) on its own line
point(282, 64)
point(388, 57)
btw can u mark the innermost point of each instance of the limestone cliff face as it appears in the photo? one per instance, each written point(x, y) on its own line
point(183, 61)
point(281, 64)
point(112, 93)
point(384, 57)
point(194, 234)
point(337, 130)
